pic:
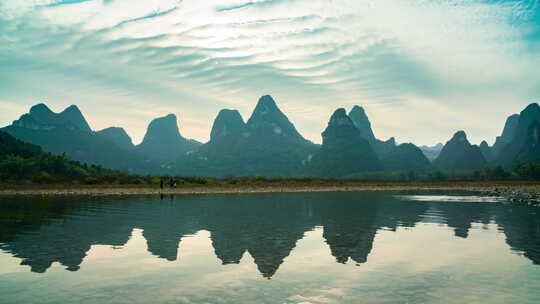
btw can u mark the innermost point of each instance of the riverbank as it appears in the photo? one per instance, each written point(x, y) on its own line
point(513, 191)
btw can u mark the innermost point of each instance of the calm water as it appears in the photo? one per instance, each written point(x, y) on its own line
point(271, 248)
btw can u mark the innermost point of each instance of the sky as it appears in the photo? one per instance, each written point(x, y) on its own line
point(421, 69)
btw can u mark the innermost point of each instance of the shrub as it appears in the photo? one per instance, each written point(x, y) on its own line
point(202, 180)
point(91, 180)
point(155, 180)
point(43, 178)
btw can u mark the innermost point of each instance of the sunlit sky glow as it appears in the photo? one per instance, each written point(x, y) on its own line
point(422, 69)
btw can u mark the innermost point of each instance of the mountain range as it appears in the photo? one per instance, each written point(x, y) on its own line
point(269, 144)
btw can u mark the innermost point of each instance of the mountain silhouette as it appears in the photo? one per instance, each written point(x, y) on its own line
point(68, 132)
point(267, 121)
point(406, 157)
point(508, 134)
point(344, 151)
point(268, 144)
point(522, 145)
point(117, 136)
point(530, 149)
point(41, 117)
point(163, 142)
point(361, 121)
point(432, 152)
point(458, 154)
point(228, 125)
point(226, 138)
point(486, 150)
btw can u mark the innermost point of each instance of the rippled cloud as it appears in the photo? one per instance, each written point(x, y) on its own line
point(422, 69)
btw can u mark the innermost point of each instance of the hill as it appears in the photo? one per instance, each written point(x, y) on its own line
point(24, 162)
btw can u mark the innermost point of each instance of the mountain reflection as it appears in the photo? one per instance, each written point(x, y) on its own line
point(267, 226)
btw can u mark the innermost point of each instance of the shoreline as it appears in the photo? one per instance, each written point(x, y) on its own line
point(516, 192)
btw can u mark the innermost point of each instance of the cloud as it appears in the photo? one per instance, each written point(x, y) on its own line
point(196, 57)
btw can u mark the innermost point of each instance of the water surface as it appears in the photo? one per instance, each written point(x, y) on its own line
point(270, 248)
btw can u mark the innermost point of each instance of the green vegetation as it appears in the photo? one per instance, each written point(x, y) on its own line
point(23, 163)
point(27, 163)
point(528, 170)
point(486, 174)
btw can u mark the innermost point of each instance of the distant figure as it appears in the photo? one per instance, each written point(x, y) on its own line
point(161, 184)
point(174, 185)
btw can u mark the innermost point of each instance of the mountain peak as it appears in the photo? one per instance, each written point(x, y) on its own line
point(42, 113)
point(507, 135)
point(265, 106)
point(451, 156)
point(532, 107)
point(228, 122)
point(344, 151)
point(358, 109)
point(267, 120)
point(361, 121)
point(41, 116)
point(73, 115)
point(340, 118)
point(510, 127)
point(529, 114)
point(163, 141)
point(267, 100)
point(163, 128)
point(72, 108)
point(460, 135)
point(341, 129)
point(40, 108)
point(516, 134)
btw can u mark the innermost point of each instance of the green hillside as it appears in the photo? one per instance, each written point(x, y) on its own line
point(22, 162)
